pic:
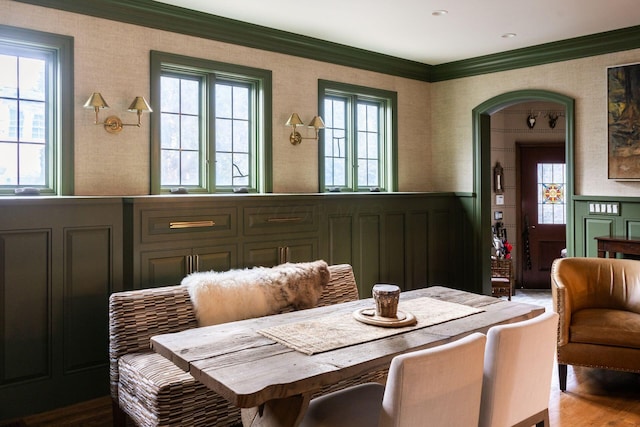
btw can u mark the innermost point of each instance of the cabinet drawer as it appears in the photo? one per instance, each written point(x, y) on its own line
point(280, 219)
point(181, 224)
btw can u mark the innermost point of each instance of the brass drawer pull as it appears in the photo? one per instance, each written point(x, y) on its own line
point(191, 224)
point(291, 219)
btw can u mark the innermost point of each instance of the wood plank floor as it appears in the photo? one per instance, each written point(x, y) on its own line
point(593, 398)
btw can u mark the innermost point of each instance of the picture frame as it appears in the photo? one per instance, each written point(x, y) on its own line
point(623, 116)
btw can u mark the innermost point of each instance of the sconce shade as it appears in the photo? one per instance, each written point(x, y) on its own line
point(294, 120)
point(96, 101)
point(316, 122)
point(140, 104)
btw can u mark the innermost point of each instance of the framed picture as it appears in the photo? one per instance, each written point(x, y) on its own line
point(623, 121)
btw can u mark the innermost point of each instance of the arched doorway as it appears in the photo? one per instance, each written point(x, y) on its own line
point(483, 169)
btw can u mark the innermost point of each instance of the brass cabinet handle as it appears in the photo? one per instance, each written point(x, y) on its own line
point(191, 224)
point(289, 219)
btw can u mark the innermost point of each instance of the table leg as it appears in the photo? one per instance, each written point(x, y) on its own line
point(286, 412)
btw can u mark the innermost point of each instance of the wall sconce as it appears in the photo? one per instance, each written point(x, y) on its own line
point(498, 179)
point(113, 124)
point(294, 120)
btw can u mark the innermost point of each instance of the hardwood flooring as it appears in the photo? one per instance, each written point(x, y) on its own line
point(594, 397)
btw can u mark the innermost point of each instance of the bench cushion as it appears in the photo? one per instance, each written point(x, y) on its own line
point(606, 327)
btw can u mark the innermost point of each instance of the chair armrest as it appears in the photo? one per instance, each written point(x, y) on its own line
point(561, 305)
point(341, 287)
point(136, 316)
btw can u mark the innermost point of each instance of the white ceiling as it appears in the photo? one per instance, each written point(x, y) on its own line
point(407, 29)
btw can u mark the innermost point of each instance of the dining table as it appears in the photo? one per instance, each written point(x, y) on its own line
point(271, 366)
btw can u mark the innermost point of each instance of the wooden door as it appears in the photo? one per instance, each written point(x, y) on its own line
point(543, 214)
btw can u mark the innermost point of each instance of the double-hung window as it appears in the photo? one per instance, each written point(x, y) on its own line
point(358, 150)
point(36, 95)
point(211, 131)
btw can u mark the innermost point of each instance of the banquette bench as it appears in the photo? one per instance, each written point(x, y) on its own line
point(150, 389)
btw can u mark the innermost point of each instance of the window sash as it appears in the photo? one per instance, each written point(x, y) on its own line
point(27, 150)
point(254, 161)
point(357, 148)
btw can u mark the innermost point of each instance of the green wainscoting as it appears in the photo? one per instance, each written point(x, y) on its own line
point(61, 258)
point(624, 220)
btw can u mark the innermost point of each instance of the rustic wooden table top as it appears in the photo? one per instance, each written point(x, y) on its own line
point(249, 369)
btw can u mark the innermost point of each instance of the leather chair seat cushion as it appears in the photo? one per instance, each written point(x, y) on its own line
point(603, 326)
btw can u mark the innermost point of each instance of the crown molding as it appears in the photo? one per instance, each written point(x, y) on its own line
point(175, 19)
point(564, 50)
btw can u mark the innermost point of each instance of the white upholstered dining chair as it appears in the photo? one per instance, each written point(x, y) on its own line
point(439, 386)
point(519, 360)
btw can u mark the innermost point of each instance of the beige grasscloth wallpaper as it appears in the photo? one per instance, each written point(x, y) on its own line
point(434, 120)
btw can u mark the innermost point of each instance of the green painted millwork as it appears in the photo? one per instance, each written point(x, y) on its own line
point(61, 257)
point(483, 175)
point(62, 150)
point(589, 225)
point(166, 17)
point(391, 166)
point(564, 50)
point(170, 18)
point(184, 64)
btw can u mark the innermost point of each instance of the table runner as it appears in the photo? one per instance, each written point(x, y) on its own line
point(342, 330)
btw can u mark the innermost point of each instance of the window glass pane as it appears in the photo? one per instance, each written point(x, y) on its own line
point(170, 95)
point(32, 164)
point(189, 168)
point(170, 131)
point(190, 133)
point(170, 161)
point(180, 131)
point(32, 78)
point(32, 122)
point(224, 172)
point(241, 169)
point(551, 193)
point(190, 97)
point(8, 163)
point(240, 136)
point(233, 138)
point(223, 101)
point(8, 76)
point(241, 103)
point(224, 135)
point(335, 142)
point(368, 145)
point(372, 146)
point(8, 120)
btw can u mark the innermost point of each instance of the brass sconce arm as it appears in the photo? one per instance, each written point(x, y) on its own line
point(113, 124)
point(294, 120)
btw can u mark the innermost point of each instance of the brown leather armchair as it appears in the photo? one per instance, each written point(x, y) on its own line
point(598, 300)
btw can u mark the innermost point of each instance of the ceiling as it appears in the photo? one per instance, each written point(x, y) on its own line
point(408, 29)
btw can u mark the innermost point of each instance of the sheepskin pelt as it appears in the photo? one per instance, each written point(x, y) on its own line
point(220, 297)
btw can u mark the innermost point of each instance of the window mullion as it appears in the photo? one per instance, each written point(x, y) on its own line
point(208, 139)
point(353, 144)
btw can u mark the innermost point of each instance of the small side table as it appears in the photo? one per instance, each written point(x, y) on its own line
point(501, 278)
point(609, 246)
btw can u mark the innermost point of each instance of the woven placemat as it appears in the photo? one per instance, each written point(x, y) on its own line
point(342, 330)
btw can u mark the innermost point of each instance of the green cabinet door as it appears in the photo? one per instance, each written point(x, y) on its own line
point(274, 252)
point(169, 267)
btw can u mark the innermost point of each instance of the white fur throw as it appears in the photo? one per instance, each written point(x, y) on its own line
point(220, 297)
